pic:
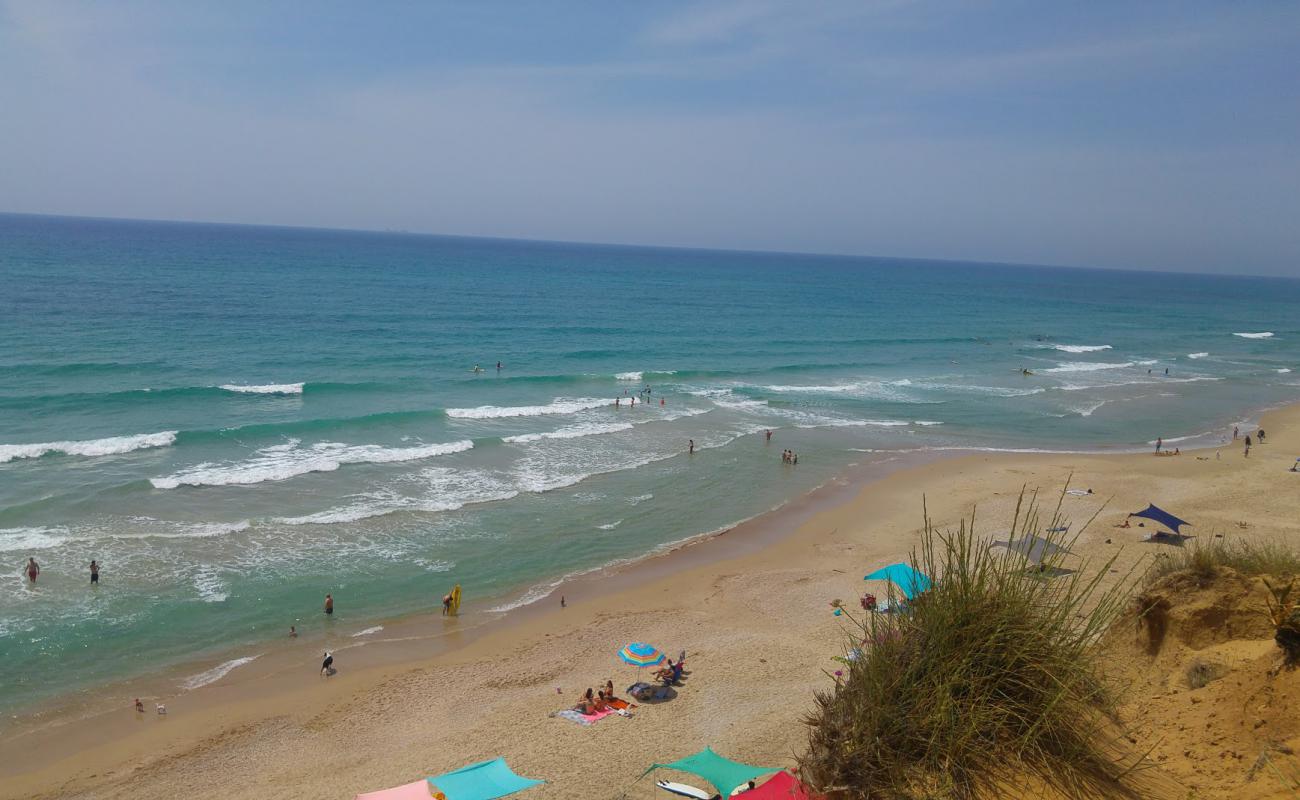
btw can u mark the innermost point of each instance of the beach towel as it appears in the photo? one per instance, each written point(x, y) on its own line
point(581, 718)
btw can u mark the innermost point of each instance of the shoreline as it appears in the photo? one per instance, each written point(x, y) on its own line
point(408, 644)
point(169, 682)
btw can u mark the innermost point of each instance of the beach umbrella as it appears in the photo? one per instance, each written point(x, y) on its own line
point(640, 654)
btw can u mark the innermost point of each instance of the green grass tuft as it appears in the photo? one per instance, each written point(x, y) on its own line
point(990, 676)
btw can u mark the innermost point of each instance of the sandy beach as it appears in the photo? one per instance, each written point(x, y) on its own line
point(750, 608)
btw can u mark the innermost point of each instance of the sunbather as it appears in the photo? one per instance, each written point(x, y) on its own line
point(587, 705)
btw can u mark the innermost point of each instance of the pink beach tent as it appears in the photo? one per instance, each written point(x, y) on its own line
point(416, 790)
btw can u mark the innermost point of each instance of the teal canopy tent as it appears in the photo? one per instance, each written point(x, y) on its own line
point(723, 773)
point(909, 581)
point(485, 780)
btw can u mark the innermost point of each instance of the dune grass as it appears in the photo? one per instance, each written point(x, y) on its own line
point(1203, 559)
point(988, 677)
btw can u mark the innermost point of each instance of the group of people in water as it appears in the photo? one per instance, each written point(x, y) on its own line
point(631, 399)
point(789, 457)
point(33, 571)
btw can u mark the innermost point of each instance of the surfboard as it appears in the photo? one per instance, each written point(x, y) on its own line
point(455, 599)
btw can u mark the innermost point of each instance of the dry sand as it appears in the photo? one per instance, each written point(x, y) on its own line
point(756, 625)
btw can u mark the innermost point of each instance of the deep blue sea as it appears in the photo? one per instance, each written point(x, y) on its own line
point(236, 420)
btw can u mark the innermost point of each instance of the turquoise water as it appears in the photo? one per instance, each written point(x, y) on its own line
point(236, 420)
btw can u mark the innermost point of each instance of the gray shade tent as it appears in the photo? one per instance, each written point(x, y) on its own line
point(1034, 549)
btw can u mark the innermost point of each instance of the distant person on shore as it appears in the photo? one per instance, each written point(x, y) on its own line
point(1259, 435)
point(1235, 433)
point(794, 458)
point(33, 569)
point(618, 401)
point(690, 448)
point(327, 665)
point(293, 631)
point(767, 435)
point(94, 572)
point(1159, 443)
point(1247, 451)
point(329, 604)
point(446, 604)
point(139, 706)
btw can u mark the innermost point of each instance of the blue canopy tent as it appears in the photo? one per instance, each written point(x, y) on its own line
point(486, 780)
point(909, 581)
point(1171, 522)
point(1163, 517)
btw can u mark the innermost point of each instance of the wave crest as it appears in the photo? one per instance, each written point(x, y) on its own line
point(557, 406)
point(110, 446)
point(266, 388)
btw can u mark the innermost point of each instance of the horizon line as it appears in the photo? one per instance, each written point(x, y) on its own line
point(635, 245)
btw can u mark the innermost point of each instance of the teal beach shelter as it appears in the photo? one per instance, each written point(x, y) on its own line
point(723, 773)
point(909, 581)
point(485, 780)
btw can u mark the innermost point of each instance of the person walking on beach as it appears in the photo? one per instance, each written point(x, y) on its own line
point(329, 604)
point(94, 572)
point(1235, 433)
point(1247, 453)
point(1159, 443)
point(1259, 435)
point(33, 569)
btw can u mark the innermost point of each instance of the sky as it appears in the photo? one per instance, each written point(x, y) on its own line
point(1146, 135)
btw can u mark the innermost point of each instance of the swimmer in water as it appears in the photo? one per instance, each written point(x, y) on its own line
point(690, 448)
point(329, 604)
point(33, 569)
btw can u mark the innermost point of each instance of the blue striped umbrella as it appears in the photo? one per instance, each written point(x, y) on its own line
point(640, 654)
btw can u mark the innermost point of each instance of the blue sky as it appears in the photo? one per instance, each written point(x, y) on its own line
point(1138, 135)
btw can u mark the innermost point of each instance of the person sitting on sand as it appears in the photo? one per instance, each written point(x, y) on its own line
point(587, 704)
point(609, 691)
point(602, 702)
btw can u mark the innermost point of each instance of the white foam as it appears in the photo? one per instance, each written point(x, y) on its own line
point(267, 388)
point(1086, 411)
point(926, 422)
point(1197, 355)
point(216, 673)
point(1087, 366)
point(1081, 348)
point(26, 539)
point(368, 631)
point(210, 587)
point(446, 490)
point(278, 464)
point(1262, 335)
point(110, 446)
point(641, 498)
point(572, 432)
point(629, 376)
point(1283, 370)
point(557, 406)
point(610, 526)
point(995, 391)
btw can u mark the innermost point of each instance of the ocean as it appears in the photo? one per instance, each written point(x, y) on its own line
point(234, 421)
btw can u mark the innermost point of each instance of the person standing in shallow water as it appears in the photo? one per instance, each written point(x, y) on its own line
point(329, 604)
point(94, 572)
point(33, 570)
point(690, 446)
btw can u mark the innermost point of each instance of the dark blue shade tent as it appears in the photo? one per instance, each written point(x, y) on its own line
point(909, 581)
point(1163, 517)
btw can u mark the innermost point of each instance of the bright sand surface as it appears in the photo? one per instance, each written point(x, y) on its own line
point(750, 608)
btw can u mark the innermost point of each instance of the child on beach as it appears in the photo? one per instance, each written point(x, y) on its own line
point(329, 604)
